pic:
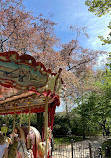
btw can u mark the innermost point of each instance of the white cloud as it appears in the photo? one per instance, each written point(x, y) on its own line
point(101, 61)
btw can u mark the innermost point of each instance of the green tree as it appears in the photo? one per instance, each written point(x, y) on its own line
point(103, 100)
point(99, 101)
point(61, 125)
point(100, 8)
point(94, 108)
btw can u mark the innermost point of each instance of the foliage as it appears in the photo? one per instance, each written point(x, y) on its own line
point(92, 116)
point(100, 8)
point(108, 39)
point(61, 126)
point(25, 119)
point(106, 145)
point(15, 26)
point(94, 110)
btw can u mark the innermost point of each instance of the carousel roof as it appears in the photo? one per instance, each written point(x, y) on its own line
point(31, 79)
point(24, 101)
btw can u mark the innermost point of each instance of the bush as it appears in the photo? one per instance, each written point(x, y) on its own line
point(61, 125)
point(106, 148)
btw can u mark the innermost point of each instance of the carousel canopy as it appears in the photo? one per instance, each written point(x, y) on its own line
point(31, 81)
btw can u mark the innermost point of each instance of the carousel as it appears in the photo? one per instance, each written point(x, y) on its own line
point(37, 90)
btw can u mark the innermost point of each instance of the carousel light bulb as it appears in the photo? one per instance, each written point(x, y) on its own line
point(42, 69)
point(46, 86)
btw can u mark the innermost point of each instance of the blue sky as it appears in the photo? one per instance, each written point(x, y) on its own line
point(73, 12)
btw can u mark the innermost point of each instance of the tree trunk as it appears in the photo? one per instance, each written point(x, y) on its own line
point(40, 122)
point(83, 135)
point(104, 127)
point(83, 132)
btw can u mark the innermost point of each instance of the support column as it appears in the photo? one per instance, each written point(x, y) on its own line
point(20, 119)
point(46, 124)
point(14, 124)
point(5, 124)
point(28, 145)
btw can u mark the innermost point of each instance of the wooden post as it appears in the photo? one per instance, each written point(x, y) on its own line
point(14, 124)
point(46, 124)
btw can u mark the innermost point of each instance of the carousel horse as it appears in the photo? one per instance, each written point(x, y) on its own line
point(30, 138)
point(41, 148)
point(12, 152)
point(42, 145)
point(22, 151)
point(18, 149)
point(3, 147)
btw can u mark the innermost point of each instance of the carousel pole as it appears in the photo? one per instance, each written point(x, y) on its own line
point(14, 124)
point(46, 124)
point(28, 145)
point(5, 124)
point(20, 119)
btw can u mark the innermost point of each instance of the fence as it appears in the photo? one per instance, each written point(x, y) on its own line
point(83, 149)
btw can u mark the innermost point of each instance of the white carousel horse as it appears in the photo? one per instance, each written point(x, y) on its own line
point(32, 137)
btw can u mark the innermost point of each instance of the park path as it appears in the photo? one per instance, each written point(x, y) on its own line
point(80, 149)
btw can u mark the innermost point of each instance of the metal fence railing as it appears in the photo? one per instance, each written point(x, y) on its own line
point(83, 149)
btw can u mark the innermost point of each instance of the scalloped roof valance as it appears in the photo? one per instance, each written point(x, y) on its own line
point(24, 73)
